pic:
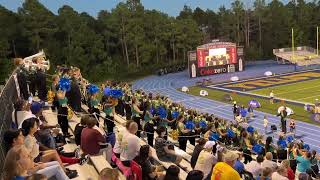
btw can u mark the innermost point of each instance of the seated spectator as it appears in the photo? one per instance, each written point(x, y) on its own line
point(238, 165)
point(92, 142)
point(280, 174)
point(12, 137)
point(172, 173)
point(18, 164)
point(21, 112)
point(254, 167)
point(195, 175)
point(127, 143)
point(149, 171)
point(290, 173)
point(266, 174)
point(224, 170)
point(164, 152)
point(268, 162)
point(207, 158)
point(109, 174)
point(44, 134)
point(78, 129)
point(197, 149)
point(29, 127)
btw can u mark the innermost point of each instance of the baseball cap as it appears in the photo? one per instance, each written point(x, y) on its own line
point(209, 144)
point(36, 107)
point(230, 156)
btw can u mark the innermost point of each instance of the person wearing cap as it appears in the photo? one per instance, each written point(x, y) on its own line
point(224, 170)
point(207, 158)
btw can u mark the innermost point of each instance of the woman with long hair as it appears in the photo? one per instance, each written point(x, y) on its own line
point(29, 127)
point(149, 171)
point(19, 165)
point(172, 173)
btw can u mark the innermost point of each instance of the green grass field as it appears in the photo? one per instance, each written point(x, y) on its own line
point(306, 91)
point(218, 95)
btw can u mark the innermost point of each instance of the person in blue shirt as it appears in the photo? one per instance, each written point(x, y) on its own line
point(303, 161)
point(238, 165)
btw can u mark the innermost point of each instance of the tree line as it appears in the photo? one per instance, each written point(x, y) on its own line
point(131, 41)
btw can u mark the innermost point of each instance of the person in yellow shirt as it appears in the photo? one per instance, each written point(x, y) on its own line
point(224, 170)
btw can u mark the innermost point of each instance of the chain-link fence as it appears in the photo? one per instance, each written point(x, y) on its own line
point(8, 96)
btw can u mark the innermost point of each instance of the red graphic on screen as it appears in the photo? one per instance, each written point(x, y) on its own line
point(201, 58)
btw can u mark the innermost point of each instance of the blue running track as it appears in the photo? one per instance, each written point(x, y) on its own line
point(167, 85)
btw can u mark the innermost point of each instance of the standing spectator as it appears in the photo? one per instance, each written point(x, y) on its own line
point(235, 110)
point(302, 161)
point(63, 112)
point(283, 114)
point(280, 174)
point(128, 144)
point(254, 167)
point(290, 173)
point(182, 132)
point(172, 173)
point(207, 158)
point(224, 170)
point(197, 149)
point(22, 76)
point(74, 95)
point(292, 126)
point(136, 115)
point(271, 96)
point(195, 175)
point(54, 89)
point(265, 124)
point(268, 162)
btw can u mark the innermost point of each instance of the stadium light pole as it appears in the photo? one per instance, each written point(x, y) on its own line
point(292, 37)
point(317, 40)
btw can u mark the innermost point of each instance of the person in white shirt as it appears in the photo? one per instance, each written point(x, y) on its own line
point(254, 167)
point(280, 174)
point(127, 144)
point(268, 162)
point(265, 124)
point(21, 112)
point(271, 97)
point(207, 158)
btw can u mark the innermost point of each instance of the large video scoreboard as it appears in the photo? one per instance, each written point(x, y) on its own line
point(215, 58)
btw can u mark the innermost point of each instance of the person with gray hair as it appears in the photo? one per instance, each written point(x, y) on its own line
point(280, 174)
point(268, 162)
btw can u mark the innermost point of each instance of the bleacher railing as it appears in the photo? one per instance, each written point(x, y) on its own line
point(8, 96)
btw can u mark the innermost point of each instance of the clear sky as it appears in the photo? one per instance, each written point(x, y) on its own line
point(92, 7)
